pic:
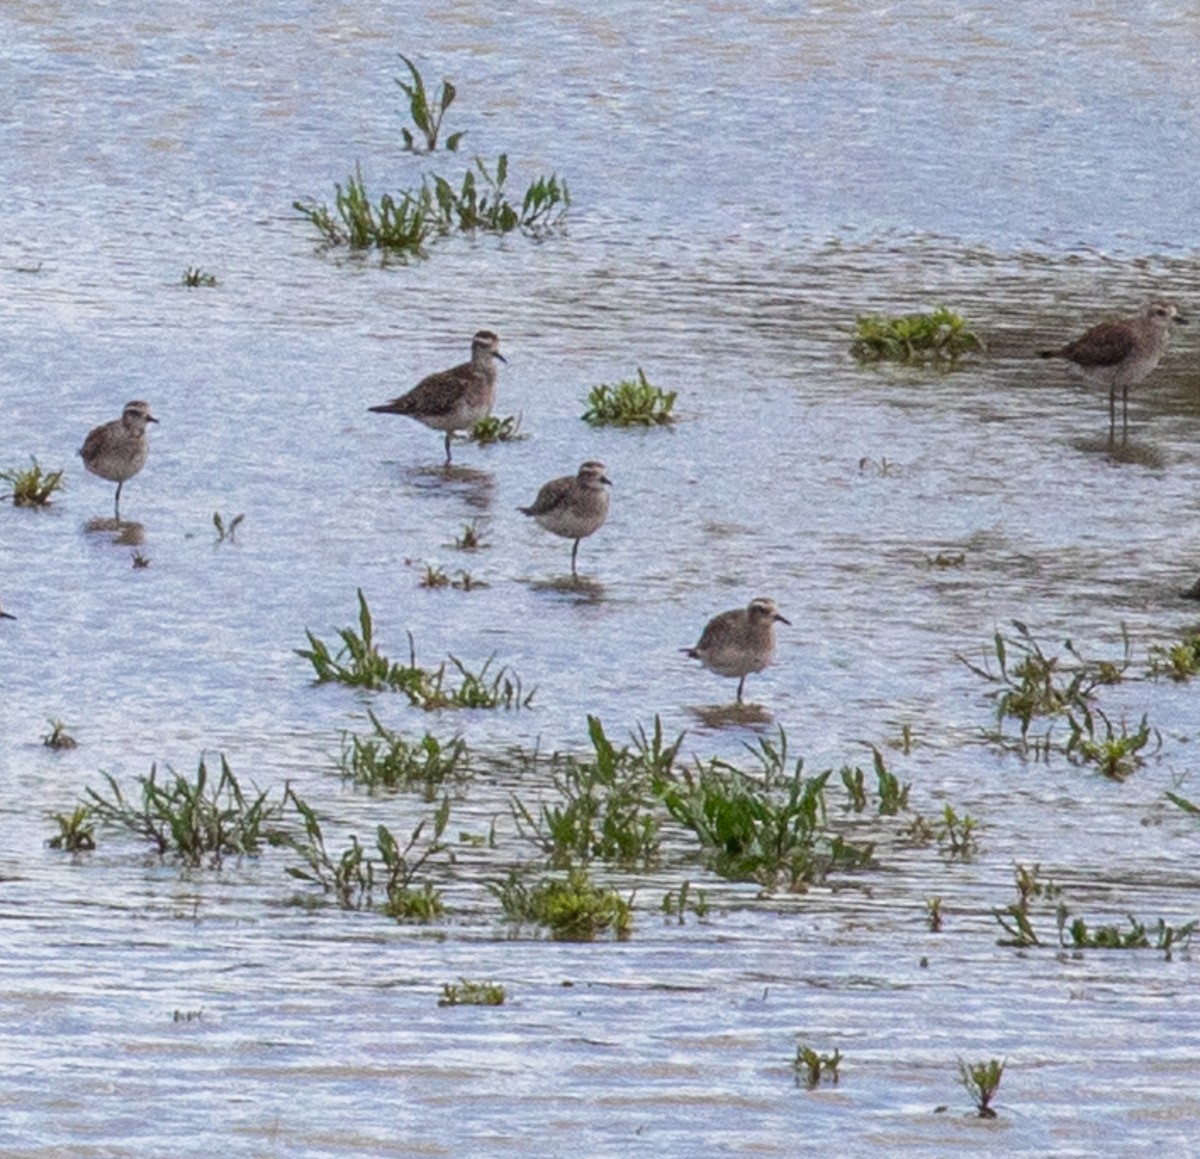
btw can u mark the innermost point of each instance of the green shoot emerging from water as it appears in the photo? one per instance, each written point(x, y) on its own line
point(981, 1080)
point(629, 404)
point(227, 532)
point(426, 114)
point(493, 429)
point(936, 337)
point(58, 738)
point(32, 487)
point(575, 909)
point(385, 760)
point(76, 834)
point(193, 277)
point(811, 1066)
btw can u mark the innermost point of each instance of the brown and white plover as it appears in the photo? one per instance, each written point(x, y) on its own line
point(1119, 354)
point(117, 450)
point(738, 642)
point(573, 506)
point(456, 399)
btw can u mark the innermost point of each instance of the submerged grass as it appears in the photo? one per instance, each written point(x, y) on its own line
point(386, 760)
point(467, 993)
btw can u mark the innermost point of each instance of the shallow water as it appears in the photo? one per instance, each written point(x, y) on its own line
point(747, 179)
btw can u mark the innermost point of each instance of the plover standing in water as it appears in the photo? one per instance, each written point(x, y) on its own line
point(573, 506)
point(117, 451)
point(738, 642)
point(456, 399)
point(1121, 353)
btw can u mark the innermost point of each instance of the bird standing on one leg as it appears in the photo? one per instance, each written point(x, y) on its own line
point(573, 506)
point(456, 399)
point(1120, 354)
point(117, 450)
point(740, 641)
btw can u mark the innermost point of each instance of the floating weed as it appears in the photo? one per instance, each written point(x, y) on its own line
point(467, 993)
point(1075, 934)
point(140, 561)
point(1183, 803)
point(385, 760)
point(471, 538)
point(939, 336)
point(187, 1015)
point(1178, 661)
point(811, 1067)
point(493, 429)
point(426, 114)
point(193, 276)
point(606, 806)
point(981, 1080)
point(1116, 752)
point(32, 487)
point(466, 582)
point(191, 820)
point(629, 404)
point(676, 903)
point(76, 833)
point(946, 559)
point(956, 835)
point(353, 877)
point(58, 738)
point(574, 908)
point(227, 533)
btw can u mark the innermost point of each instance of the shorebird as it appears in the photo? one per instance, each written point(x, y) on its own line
point(738, 642)
point(573, 506)
point(117, 451)
point(1119, 354)
point(456, 399)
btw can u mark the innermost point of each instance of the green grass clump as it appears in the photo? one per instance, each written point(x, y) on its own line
point(574, 908)
point(359, 664)
point(629, 404)
point(385, 760)
point(76, 833)
point(935, 337)
point(467, 993)
point(493, 429)
point(400, 226)
point(32, 487)
point(355, 878)
point(981, 1080)
point(227, 532)
point(1115, 751)
point(481, 202)
point(769, 827)
point(1179, 661)
point(194, 277)
point(606, 807)
point(471, 538)
point(195, 821)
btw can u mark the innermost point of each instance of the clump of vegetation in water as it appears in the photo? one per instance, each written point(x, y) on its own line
point(402, 225)
point(981, 1080)
point(811, 1067)
point(676, 903)
point(194, 821)
point(471, 538)
point(956, 834)
point(360, 664)
point(356, 879)
point(913, 338)
point(574, 908)
point(1030, 684)
point(467, 993)
point(32, 487)
point(1115, 751)
point(629, 403)
point(386, 760)
point(493, 429)
point(76, 833)
point(58, 738)
point(193, 277)
point(607, 806)
point(1179, 661)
